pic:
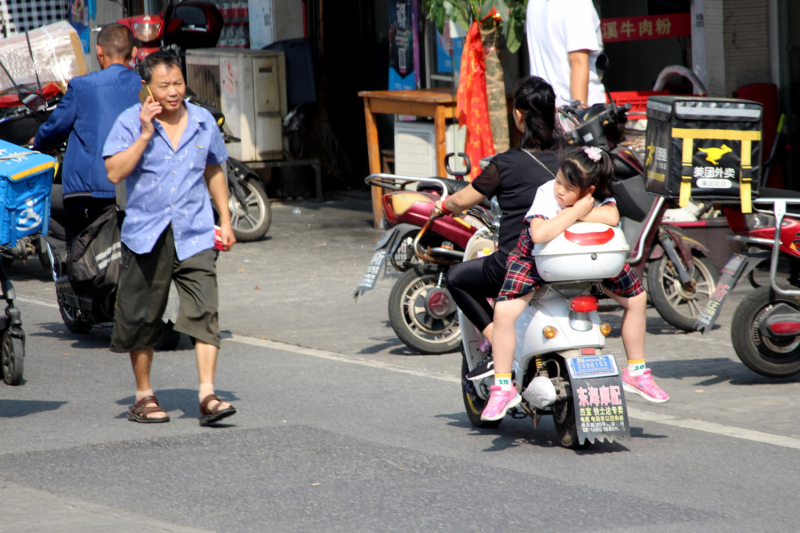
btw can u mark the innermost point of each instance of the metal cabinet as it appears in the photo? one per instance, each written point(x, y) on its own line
point(249, 87)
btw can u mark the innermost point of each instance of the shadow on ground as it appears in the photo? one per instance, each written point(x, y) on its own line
point(20, 408)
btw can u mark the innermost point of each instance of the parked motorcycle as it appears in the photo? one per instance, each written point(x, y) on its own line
point(421, 310)
point(190, 24)
point(765, 330)
point(21, 114)
point(559, 365)
point(680, 278)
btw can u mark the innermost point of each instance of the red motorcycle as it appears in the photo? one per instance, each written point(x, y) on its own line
point(422, 312)
point(680, 277)
point(190, 24)
point(765, 330)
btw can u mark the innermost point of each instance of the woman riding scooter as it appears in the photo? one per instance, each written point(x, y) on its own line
point(513, 177)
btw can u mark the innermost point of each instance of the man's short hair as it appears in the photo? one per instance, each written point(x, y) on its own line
point(116, 40)
point(156, 59)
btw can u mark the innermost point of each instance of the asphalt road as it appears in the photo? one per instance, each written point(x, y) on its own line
point(342, 428)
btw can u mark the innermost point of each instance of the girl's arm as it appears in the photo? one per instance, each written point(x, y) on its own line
point(547, 230)
point(605, 214)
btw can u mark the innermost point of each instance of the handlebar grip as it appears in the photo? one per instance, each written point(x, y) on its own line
point(467, 163)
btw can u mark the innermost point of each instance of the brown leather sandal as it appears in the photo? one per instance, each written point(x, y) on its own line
point(207, 417)
point(140, 413)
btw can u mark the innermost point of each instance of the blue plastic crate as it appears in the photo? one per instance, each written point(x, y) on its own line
point(26, 178)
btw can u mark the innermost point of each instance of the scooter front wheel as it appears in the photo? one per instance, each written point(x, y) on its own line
point(473, 403)
point(772, 358)
point(13, 357)
point(412, 303)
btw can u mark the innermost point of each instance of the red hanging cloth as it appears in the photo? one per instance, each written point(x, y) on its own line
point(472, 110)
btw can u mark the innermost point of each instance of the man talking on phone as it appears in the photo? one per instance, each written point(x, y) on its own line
point(85, 115)
point(169, 153)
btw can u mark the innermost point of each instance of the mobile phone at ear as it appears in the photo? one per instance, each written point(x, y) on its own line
point(144, 93)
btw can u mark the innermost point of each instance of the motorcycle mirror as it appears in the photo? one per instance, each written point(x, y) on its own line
point(457, 173)
point(32, 101)
point(601, 65)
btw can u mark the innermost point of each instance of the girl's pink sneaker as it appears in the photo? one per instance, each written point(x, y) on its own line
point(644, 386)
point(500, 401)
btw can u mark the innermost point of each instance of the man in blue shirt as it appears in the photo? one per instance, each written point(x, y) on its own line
point(169, 153)
point(86, 113)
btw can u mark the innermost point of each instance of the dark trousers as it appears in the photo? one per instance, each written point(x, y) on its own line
point(143, 292)
point(472, 282)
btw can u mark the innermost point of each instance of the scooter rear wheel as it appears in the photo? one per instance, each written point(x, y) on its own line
point(255, 222)
point(767, 357)
point(473, 403)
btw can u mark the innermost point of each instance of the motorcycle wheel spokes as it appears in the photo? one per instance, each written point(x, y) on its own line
point(678, 305)
point(410, 320)
point(421, 322)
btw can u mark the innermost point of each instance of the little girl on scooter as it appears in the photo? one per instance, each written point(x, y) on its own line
point(581, 191)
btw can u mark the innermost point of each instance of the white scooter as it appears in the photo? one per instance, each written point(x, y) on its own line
point(559, 365)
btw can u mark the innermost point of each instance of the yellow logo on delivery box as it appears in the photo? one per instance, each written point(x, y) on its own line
point(650, 150)
point(713, 154)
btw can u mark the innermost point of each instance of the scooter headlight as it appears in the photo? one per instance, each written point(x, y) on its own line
point(146, 31)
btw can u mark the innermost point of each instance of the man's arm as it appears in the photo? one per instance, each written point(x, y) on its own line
point(59, 125)
point(120, 165)
point(579, 75)
point(218, 188)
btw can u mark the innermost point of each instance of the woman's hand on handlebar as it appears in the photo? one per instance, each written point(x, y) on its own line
point(439, 209)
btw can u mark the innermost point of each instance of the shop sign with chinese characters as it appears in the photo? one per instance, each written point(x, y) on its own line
point(647, 27)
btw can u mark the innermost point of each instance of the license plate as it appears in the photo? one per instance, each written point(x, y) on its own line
point(596, 366)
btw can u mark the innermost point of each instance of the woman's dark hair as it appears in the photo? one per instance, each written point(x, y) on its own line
point(583, 172)
point(161, 57)
point(535, 99)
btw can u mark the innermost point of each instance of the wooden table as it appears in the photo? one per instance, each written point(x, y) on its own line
point(439, 104)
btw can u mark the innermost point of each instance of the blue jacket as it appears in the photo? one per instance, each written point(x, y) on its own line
point(86, 113)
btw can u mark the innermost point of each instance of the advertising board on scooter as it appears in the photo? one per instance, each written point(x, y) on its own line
point(599, 400)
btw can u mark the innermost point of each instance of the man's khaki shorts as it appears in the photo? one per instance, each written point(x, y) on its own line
point(143, 292)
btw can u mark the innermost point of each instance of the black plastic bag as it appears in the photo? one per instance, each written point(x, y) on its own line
point(95, 256)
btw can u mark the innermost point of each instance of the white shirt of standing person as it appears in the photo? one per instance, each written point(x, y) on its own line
point(554, 29)
point(545, 204)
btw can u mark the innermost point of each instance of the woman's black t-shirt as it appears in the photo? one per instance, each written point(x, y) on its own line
point(514, 177)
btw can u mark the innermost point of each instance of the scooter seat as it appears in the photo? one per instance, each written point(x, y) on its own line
point(780, 193)
point(452, 186)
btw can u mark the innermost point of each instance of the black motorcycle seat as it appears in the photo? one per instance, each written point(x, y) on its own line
point(765, 192)
point(452, 186)
point(622, 169)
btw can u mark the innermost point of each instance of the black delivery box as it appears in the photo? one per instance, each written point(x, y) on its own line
point(703, 148)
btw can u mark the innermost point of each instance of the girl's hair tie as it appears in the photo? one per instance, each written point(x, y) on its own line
point(594, 153)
